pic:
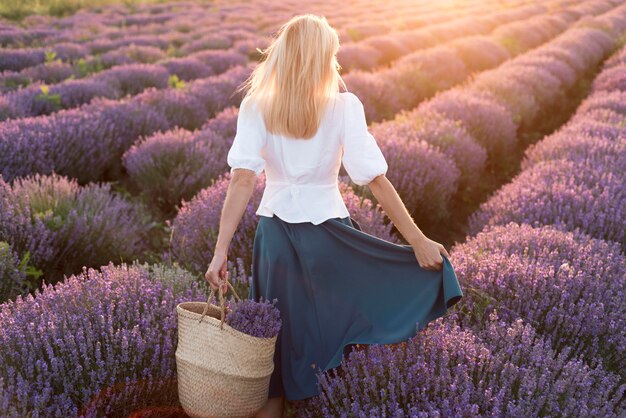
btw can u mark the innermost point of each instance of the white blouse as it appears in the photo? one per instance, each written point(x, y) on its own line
point(302, 174)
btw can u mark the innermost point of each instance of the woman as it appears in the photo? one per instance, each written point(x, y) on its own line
point(335, 285)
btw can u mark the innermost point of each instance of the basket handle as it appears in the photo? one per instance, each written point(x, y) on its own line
point(222, 304)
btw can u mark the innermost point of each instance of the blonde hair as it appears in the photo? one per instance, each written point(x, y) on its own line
point(300, 73)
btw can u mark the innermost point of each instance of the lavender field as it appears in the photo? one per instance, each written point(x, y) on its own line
point(503, 123)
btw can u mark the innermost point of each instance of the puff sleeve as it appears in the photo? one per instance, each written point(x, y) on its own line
point(245, 152)
point(362, 157)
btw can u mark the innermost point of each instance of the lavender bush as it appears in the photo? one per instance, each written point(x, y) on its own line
point(568, 194)
point(611, 79)
point(489, 123)
point(578, 147)
point(41, 99)
point(195, 227)
point(100, 343)
point(256, 318)
point(545, 88)
point(224, 123)
point(132, 54)
point(174, 165)
point(80, 226)
point(512, 94)
point(426, 181)
point(171, 166)
point(25, 229)
point(504, 370)
point(50, 72)
point(448, 136)
point(566, 284)
point(564, 72)
point(591, 124)
point(614, 100)
point(480, 53)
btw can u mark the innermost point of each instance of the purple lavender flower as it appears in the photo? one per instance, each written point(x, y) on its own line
point(187, 68)
point(614, 100)
point(194, 229)
point(512, 94)
point(256, 318)
point(133, 78)
point(566, 75)
point(132, 54)
point(220, 61)
point(50, 73)
point(18, 59)
point(592, 150)
point(358, 56)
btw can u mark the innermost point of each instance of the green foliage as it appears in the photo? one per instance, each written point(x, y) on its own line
point(85, 68)
point(174, 82)
point(511, 44)
point(51, 57)
point(15, 83)
point(354, 34)
point(32, 273)
point(54, 99)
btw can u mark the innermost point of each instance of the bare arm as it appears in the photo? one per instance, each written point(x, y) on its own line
point(238, 195)
point(427, 251)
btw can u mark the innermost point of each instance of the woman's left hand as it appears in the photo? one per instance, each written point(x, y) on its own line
point(217, 273)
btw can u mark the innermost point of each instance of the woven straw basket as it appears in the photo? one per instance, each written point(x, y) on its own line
point(222, 372)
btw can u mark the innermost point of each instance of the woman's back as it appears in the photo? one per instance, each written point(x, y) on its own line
point(301, 174)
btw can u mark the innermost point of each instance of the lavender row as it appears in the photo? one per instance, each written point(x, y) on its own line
point(133, 47)
point(573, 178)
point(148, 52)
point(451, 138)
point(115, 83)
point(421, 75)
point(384, 49)
point(503, 369)
point(73, 61)
point(115, 22)
point(109, 52)
point(87, 143)
point(185, 27)
point(549, 246)
point(88, 33)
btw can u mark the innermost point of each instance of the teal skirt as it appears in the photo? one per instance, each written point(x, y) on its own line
point(337, 286)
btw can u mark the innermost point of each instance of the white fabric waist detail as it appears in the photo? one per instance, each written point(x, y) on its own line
point(295, 202)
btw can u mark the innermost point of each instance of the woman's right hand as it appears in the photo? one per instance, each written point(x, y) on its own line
point(428, 254)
